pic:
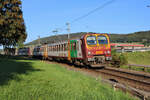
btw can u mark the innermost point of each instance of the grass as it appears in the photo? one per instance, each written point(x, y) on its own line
point(22, 79)
point(141, 58)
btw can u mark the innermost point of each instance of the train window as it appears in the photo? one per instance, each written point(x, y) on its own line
point(61, 47)
point(74, 46)
point(91, 40)
point(40, 49)
point(66, 46)
point(102, 40)
point(58, 47)
point(77, 46)
point(48, 48)
point(52, 48)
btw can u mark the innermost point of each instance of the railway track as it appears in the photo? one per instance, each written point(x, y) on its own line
point(136, 83)
point(136, 80)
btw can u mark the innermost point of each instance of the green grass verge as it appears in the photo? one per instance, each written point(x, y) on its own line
point(35, 80)
point(141, 58)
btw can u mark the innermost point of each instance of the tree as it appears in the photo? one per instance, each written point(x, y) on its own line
point(12, 26)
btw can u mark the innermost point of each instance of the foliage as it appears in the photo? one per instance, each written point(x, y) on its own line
point(118, 59)
point(36, 80)
point(12, 26)
point(20, 44)
point(123, 59)
point(141, 37)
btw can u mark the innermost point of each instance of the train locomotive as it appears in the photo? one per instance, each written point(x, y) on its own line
point(89, 49)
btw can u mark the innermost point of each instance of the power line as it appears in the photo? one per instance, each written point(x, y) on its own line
point(91, 12)
point(94, 10)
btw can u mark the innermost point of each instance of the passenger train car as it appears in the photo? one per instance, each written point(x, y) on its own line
point(89, 49)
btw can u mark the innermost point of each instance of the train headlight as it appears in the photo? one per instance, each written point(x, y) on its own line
point(89, 53)
point(108, 52)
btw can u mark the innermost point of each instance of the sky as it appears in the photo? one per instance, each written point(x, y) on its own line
point(121, 16)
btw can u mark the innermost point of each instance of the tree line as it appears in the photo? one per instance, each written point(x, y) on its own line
point(142, 37)
point(137, 37)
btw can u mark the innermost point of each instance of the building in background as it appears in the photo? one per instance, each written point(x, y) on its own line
point(125, 47)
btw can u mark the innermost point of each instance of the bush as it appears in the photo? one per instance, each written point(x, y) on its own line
point(118, 59)
point(123, 59)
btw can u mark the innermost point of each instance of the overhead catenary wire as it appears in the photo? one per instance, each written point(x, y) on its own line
point(93, 11)
point(90, 12)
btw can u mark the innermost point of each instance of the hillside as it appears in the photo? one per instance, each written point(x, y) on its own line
point(142, 37)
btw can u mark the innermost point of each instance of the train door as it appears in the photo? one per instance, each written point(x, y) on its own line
point(45, 51)
point(73, 48)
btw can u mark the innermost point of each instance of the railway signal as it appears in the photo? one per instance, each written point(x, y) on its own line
point(39, 40)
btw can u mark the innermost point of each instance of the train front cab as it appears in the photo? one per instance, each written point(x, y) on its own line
point(97, 49)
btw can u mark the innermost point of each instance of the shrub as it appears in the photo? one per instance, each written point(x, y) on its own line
point(123, 59)
point(118, 59)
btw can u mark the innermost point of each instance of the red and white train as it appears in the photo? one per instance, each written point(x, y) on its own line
point(89, 49)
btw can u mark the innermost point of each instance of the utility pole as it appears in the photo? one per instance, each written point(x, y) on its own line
point(39, 40)
point(68, 29)
point(55, 33)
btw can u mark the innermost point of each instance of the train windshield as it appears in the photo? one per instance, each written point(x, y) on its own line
point(91, 40)
point(102, 40)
